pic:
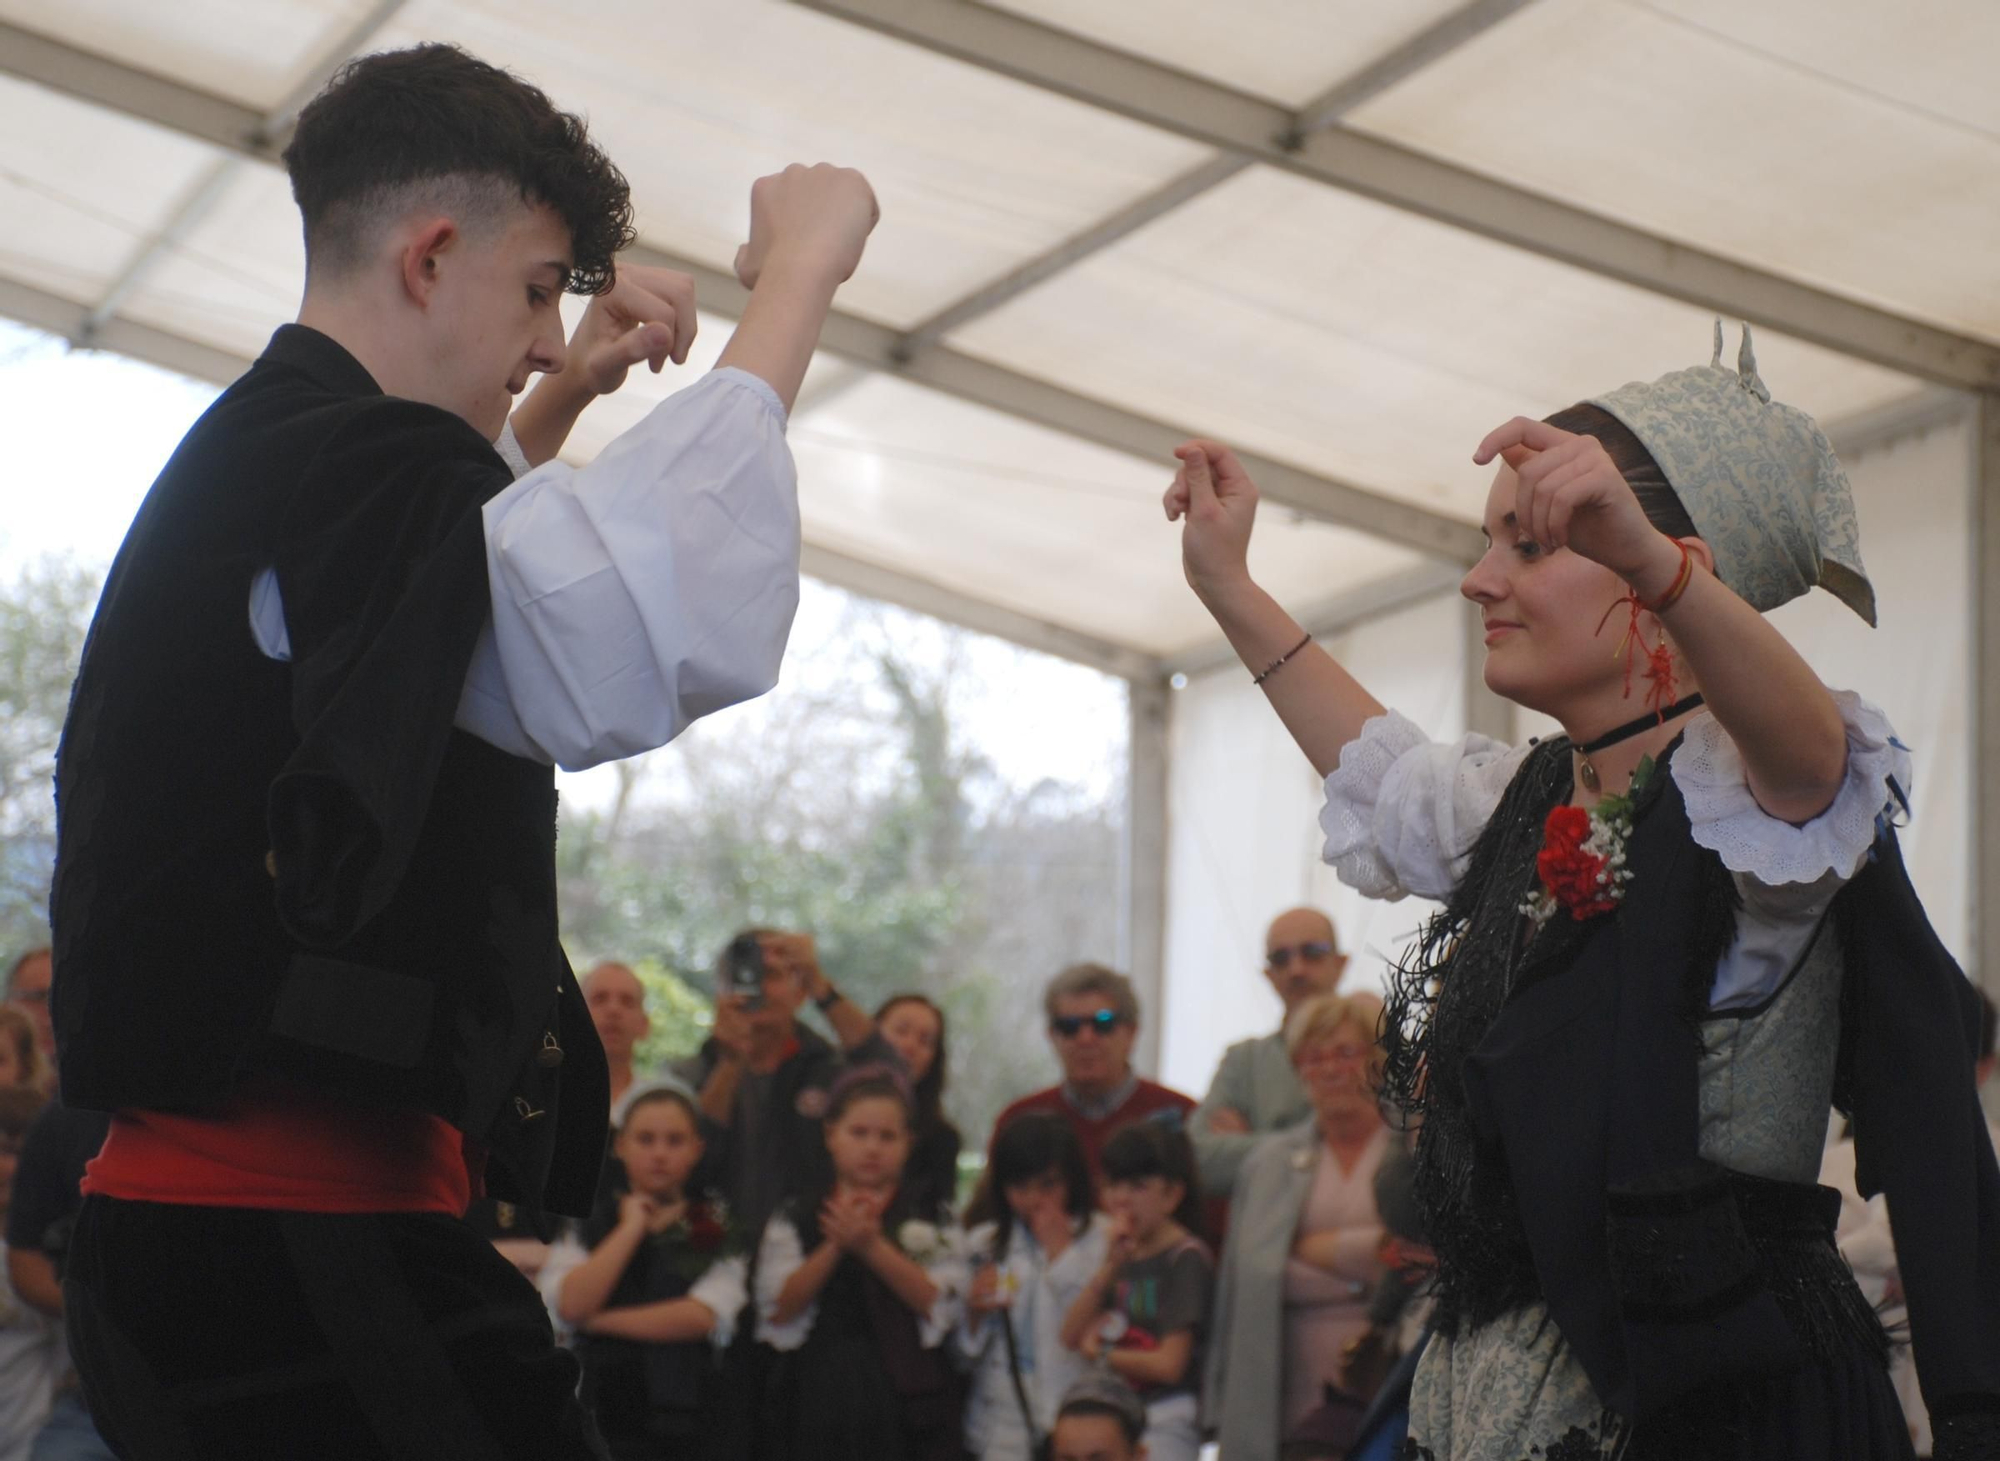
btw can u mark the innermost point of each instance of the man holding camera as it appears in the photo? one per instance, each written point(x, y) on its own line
point(762, 1076)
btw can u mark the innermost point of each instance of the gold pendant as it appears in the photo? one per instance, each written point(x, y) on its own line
point(1587, 774)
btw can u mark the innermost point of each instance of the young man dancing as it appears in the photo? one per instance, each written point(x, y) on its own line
point(306, 943)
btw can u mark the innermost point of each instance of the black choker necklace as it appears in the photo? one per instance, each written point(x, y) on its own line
point(1587, 773)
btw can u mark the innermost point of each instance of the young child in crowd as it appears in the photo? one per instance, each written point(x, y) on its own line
point(1100, 1420)
point(1035, 1237)
point(857, 1288)
point(32, 1358)
point(1144, 1311)
point(654, 1288)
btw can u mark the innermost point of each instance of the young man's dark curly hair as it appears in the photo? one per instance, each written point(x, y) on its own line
point(432, 122)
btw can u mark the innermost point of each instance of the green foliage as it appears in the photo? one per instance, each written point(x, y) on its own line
point(852, 806)
point(860, 816)
point(44, 615)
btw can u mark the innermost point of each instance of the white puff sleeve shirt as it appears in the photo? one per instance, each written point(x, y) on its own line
point(636, 594)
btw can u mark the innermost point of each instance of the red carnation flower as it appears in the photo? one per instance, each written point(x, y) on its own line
point(705, 1234)
point(1568, 828)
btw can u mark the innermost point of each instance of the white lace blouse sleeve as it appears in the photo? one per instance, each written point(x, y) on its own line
point(973, 1333)
point(948, 1266)
point(779, 1256)
point(1402, 811)
point(1776, 863)
point(723, 1290)
point(566, 1255)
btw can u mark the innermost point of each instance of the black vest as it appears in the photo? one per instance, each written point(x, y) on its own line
point(302, 869)
point(1586, 1087)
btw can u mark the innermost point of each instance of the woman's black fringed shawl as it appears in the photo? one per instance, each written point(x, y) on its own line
point(1556, 1083)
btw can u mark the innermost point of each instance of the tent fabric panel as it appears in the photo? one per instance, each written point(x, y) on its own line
point(1834, 144)
point(237, 275)
point(81, 190)
point(1033, 520)
point(975, 173)
point(249, 51)
point(1363, 342)
point(1287, 51)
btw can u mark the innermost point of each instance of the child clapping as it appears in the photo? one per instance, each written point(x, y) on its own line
point(658, 1293)
point(857, 1289)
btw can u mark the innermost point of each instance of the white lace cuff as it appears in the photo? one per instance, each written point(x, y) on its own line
point(1348, 819)
point(1727, 820)
point(1403, 811)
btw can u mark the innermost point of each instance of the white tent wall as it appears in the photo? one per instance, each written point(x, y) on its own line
point(1243, 835)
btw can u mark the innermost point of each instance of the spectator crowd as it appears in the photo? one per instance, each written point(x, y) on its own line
point(780, 1266)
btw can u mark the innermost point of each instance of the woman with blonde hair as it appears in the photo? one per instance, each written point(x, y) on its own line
point(1304, 1250)
point(1671, 937)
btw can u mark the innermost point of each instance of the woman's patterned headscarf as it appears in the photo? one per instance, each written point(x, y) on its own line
point(1758, 478)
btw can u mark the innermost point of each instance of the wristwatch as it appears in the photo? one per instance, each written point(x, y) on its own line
point(828, 1000)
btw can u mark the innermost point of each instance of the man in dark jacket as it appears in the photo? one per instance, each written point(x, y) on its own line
point(306, 951)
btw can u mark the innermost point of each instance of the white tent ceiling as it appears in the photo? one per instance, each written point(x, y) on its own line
point(1348, 235)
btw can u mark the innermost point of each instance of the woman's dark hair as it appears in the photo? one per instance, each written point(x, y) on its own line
point(1029, 1146)
point(927, 1095)
point(1152, 1147)
point(1662, 505)
point(482, 138)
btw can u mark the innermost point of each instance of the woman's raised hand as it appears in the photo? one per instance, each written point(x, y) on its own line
point(1218, 502)
point(1571, 495)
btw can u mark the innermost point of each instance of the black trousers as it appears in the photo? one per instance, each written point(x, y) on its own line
point(205, 1333)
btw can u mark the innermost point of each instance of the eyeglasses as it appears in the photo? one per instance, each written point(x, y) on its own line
point(1280, 958)
point(1070, 1026)
point(1334, 1055)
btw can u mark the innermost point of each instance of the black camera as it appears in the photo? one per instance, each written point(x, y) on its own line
point(743, 971)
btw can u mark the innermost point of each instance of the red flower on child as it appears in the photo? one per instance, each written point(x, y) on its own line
point(705, 1234)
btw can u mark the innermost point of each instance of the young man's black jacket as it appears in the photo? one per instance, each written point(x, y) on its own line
point(303, 869)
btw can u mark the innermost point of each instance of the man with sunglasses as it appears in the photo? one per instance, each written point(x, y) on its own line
point(1093, 1018)
point(1255, 1089)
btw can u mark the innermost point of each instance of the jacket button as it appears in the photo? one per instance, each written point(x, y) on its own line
point(271, 863)
point(551, 1054)
point(525, 1111)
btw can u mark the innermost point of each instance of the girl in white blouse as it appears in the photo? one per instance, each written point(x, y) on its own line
point(1034, 1237)
point(857, 1290)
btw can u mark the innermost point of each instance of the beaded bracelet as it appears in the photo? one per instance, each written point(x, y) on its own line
point(1279, 663)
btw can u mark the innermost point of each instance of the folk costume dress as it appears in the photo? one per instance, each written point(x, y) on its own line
point(1624, 1103)
point(859, 1376)
point(657, 1402)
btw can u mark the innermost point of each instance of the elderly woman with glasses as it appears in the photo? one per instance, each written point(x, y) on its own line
point(1305, 1237)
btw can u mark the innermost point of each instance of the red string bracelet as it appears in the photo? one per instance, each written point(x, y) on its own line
point(1680, 584)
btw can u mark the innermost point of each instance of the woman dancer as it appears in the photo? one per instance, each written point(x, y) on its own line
point(1660, 930)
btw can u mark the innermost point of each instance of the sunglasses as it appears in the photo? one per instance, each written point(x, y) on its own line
point(1070, 1026)
point(1316, 950)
